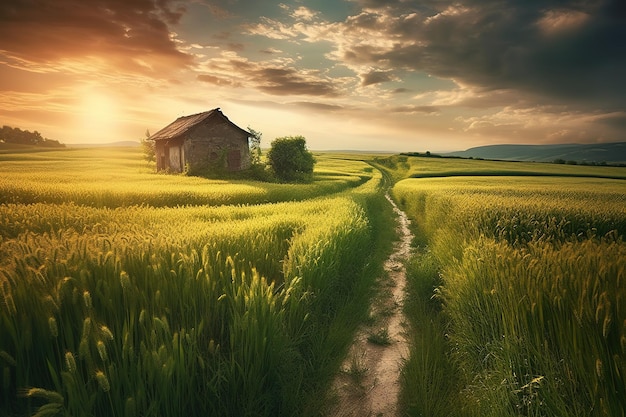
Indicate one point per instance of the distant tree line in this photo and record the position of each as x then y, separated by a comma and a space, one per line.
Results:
589, 163
24, 137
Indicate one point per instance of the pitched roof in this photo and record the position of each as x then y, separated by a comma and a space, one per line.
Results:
185, 123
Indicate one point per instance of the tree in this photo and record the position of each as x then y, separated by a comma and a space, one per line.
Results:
148, 147
290, 160
255, 146
24, 137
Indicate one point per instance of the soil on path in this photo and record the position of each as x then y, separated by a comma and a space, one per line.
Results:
369, 381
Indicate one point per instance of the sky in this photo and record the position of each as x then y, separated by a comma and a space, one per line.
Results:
379, 75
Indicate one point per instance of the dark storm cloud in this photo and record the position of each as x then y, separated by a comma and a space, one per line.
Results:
120, 31
564, 50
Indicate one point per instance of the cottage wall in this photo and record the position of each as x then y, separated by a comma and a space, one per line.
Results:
212, 144
176, 162
202, 141
159, 155
169, 155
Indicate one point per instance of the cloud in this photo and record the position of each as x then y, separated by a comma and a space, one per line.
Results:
292, 81
551, 70
568, 51
415, 109
275, 77
377, 4
271, 51
555, 21
562, 53
212, 79
544, 124
273, 29
615, 121
319, 106
375, 77
304, 13
128, 35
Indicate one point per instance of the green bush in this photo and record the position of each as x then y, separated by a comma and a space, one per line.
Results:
290, 160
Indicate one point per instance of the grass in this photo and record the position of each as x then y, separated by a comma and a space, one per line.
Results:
121, 301
380, 337
429, 383
357, 370
527, 316
420, 167
117, 177
124, 292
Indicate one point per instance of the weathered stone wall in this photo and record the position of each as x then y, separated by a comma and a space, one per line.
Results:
214, 144
211, 143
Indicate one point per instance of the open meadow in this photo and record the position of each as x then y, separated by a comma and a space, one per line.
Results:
126, 292
129, 293
522, 288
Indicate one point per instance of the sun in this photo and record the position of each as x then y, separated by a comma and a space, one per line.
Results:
99, 116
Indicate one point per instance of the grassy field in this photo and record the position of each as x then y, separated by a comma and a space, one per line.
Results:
119, 177
416, 167
126, 293
518, 295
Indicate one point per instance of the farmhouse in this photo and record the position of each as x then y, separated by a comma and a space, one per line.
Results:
201, 141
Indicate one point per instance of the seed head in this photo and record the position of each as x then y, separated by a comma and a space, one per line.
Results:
70, 362
87, 299
51, 396
124, 280
52, 324
83, 349
106, 332
102, 350
599, 368
86, 328
103, 381
130, 407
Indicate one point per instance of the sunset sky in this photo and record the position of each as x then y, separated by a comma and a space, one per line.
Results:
394, 75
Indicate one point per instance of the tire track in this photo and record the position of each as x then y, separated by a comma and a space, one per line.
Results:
369, 381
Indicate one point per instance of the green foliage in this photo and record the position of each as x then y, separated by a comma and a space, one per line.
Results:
147, 147
429, 380
290, 159
422, 167
380, 337
18, 136
117, 177
255, 146
110, 308
532, 273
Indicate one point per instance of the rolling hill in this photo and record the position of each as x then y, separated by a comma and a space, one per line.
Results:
611, 153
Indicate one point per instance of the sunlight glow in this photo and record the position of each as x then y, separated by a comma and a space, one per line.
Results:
99, 116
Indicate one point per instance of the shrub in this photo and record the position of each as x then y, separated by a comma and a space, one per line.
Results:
290, 160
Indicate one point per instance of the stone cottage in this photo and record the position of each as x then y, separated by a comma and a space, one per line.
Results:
201, 141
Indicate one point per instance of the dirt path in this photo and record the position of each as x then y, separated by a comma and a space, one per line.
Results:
368, 384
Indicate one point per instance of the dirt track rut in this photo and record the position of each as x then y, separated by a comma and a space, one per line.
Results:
369, 381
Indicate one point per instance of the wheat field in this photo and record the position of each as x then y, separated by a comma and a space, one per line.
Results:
531, 282
129, 293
